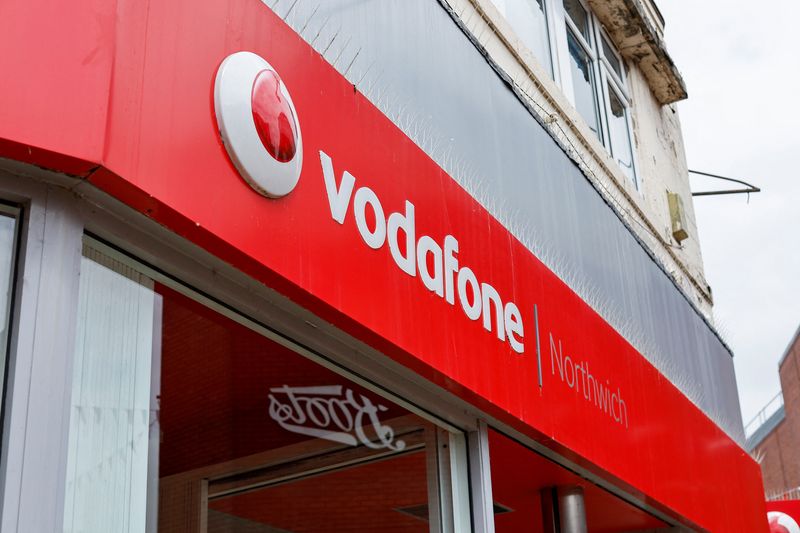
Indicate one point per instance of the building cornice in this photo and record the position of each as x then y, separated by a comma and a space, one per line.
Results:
636, 27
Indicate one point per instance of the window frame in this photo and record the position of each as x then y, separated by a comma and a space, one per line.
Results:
559, 24
16, 212
609, 84
53, 223
446, 452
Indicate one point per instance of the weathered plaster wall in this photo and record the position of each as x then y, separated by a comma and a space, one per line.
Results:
661, 157
658, 147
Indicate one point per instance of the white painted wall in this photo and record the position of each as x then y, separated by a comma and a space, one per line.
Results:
659, 148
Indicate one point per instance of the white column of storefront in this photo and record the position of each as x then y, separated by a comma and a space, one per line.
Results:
36, 421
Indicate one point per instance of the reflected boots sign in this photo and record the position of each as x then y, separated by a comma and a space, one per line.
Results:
332, 413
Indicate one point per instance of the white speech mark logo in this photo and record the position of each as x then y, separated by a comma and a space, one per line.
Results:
258, 124
782, 523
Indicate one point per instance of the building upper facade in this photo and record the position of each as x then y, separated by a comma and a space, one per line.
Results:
508, 128
598, 74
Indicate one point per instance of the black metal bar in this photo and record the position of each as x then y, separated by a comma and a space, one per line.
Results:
729, 191
750, 187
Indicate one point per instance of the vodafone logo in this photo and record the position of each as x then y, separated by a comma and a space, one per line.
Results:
782, 523
258, 124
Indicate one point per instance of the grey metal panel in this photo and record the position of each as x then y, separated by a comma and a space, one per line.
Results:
414, 62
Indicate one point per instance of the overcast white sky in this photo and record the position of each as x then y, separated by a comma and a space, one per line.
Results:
741, 64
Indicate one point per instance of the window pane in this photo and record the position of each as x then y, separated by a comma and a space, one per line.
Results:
184, 420
579, 16
619, 133
527, 17
583, 83
8, 236
611, 57
276, 441
111, 428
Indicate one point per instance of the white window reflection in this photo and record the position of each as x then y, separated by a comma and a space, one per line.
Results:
583, 84
529, 21
113, 433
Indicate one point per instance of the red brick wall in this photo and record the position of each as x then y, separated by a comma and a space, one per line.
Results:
780, 465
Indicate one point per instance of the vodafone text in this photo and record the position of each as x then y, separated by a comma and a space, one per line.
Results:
447, 280
439, 271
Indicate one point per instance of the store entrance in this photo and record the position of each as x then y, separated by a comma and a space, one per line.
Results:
259, 439
193, 419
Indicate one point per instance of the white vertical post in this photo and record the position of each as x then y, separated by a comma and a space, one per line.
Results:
481, 479
40, 377
434, 490
459, 480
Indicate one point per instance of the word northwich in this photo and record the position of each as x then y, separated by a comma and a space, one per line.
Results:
578, 377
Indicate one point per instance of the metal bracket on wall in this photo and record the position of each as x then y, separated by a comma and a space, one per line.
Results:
749, 187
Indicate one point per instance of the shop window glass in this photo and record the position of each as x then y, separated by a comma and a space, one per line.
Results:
186, 420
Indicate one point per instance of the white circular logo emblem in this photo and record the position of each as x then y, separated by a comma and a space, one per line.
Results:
258, 124
782, 523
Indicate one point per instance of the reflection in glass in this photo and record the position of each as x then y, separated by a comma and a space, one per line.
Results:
527, 17
184, 420
109, 456
8, 232
583, 83
619, 134
579, 16
284, 443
